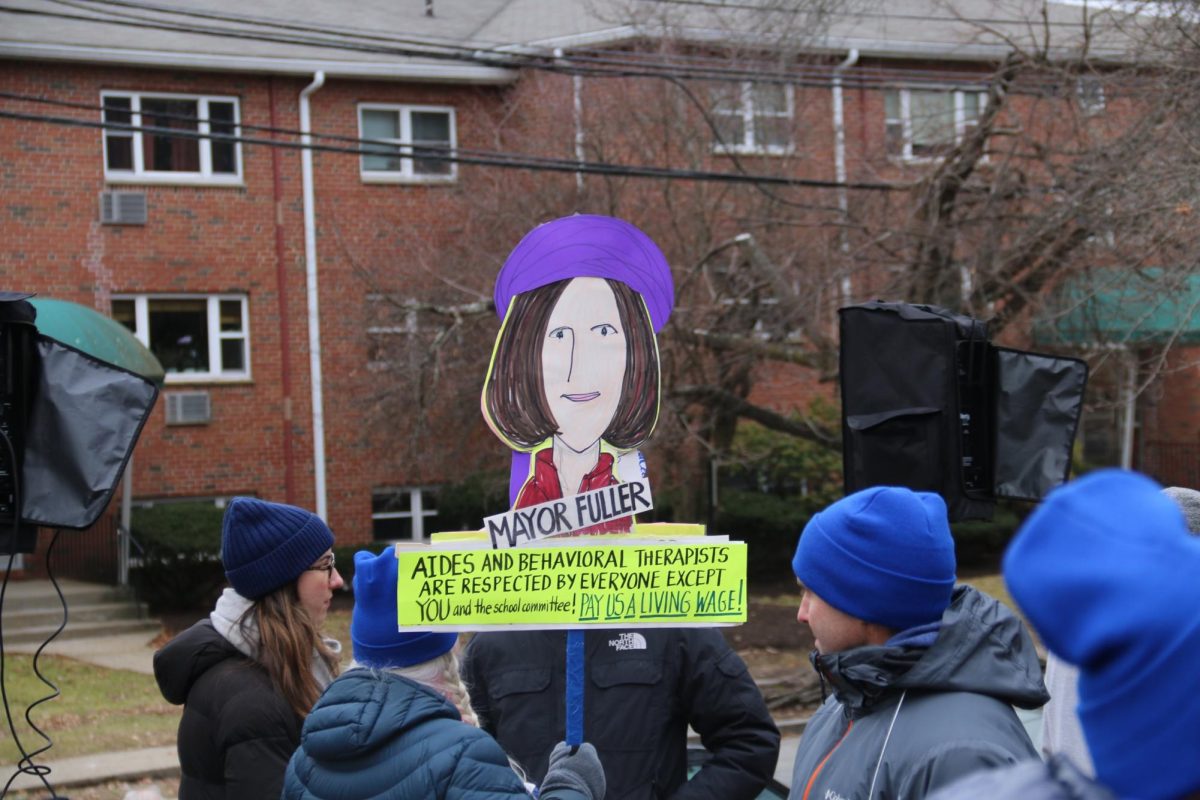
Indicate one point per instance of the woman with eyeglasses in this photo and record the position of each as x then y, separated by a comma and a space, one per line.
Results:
249, 674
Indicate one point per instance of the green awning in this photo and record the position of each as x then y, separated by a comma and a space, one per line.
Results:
97, 335
1148, 306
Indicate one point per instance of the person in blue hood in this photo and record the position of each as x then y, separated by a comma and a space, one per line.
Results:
1105, 570
398, 724
924, 674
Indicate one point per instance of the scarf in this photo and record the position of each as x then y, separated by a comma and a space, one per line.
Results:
231, 619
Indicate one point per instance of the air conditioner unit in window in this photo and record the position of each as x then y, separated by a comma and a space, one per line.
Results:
188, 408
123, 208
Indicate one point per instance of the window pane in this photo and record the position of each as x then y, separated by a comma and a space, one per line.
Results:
732, 129
386, 530
120, 151
770, 97
122, 312
231, 315
932, 120
727, 98
380, 125
431, 127
233, 355
970, 107
224, 154
381, 163
117, 109
772, 131
389, 501
165, 153
891, 104
894, 133
179, 334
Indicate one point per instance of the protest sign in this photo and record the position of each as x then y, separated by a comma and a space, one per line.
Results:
642, 584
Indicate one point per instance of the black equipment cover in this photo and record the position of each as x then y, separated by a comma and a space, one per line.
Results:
929, 403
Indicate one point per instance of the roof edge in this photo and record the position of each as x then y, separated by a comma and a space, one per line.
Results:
424, 73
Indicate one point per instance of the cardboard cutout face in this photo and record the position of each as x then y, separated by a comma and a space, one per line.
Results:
575, 366
583, 362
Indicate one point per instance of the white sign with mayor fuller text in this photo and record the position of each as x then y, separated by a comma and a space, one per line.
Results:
523, 526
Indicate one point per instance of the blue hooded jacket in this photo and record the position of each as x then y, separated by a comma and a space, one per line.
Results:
378, 735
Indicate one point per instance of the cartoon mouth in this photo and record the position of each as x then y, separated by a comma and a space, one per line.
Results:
582, 398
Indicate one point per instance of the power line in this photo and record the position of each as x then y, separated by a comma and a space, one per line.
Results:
477, 158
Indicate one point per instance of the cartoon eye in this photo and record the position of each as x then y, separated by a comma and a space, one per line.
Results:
560, 333
604, 329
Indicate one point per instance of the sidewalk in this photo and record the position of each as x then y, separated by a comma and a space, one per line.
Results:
151, 762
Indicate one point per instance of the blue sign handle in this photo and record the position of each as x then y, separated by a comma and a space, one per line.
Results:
575, 676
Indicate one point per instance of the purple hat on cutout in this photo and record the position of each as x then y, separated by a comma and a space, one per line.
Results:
589, 246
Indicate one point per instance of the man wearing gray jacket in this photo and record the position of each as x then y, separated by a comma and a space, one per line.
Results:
924, 675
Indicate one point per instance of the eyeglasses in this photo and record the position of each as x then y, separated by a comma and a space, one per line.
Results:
324, 564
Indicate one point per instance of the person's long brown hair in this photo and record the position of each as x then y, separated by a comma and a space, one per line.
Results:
288, 638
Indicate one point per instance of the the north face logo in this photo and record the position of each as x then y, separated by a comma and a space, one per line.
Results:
628, 641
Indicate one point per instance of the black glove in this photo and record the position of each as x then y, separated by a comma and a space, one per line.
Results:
579, 770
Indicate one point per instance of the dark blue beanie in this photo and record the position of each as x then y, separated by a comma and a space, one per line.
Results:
374, 626
882, 555
1107, 573
268, 545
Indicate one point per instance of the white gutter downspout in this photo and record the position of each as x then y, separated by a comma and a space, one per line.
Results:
577, 116
839, 165
1129, 420
310, 274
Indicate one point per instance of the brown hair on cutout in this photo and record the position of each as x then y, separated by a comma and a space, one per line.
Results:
516, 393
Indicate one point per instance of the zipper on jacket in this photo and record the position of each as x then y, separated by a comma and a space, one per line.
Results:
812, 779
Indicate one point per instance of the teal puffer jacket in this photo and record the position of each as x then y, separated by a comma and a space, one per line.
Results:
378, 735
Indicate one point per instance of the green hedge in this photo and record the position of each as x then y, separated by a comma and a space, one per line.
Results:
180, 559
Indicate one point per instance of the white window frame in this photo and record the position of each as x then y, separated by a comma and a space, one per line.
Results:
960, 120
416, 511
216, 372
139, 173
408, 329
746, 110
405, 174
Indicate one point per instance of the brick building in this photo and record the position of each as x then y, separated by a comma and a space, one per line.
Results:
274, 283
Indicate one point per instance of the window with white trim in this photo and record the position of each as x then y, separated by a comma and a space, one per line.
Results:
399, 515
194, 337
210, 155
927, 123
401, 139
754, 117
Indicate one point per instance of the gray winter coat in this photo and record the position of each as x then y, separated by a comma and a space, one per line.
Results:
904, 721
1057, 779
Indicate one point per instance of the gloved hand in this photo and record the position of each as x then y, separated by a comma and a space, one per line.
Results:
580, 771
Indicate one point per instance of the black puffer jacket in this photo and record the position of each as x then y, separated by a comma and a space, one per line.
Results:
237, 732
643, 689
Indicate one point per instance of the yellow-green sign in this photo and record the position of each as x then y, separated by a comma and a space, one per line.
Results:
626, 586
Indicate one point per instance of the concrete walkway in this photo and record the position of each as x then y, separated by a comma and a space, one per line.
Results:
131, 651
151, 762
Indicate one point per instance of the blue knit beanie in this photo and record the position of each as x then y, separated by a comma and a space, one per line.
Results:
374, 627
882, 555
1107, 573
268, 545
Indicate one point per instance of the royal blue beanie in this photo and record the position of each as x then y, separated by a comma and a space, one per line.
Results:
882, 555
267, 545
1107, 573
374, 626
